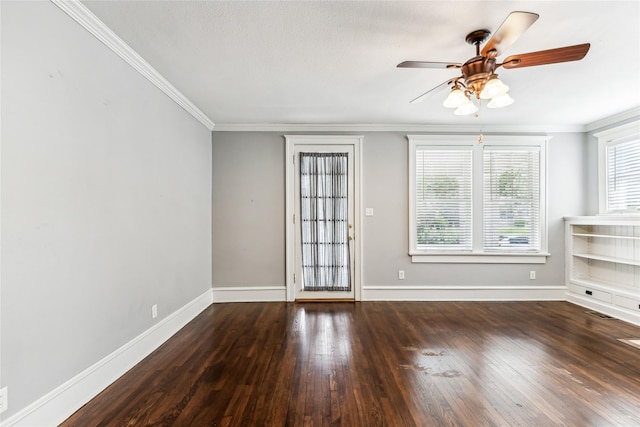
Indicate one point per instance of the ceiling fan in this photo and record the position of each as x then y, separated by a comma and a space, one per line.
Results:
479, 76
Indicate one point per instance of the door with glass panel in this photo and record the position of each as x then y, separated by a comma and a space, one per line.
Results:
324, 222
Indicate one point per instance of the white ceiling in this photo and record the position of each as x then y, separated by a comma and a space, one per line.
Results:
335, 62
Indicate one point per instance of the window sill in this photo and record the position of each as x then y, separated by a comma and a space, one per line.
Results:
480, 258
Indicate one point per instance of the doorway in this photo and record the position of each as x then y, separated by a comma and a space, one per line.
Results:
323, 218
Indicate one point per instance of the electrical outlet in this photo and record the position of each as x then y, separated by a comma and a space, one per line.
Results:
532, 275
154, 311
401, 274
4, 399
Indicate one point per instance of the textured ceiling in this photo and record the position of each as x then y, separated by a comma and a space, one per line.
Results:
335, 62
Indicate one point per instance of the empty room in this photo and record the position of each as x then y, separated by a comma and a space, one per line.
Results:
319, 213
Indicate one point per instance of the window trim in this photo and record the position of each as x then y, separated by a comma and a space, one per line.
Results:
477, 254
605, 138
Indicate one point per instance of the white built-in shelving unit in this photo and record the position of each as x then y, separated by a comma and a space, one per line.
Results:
603, 264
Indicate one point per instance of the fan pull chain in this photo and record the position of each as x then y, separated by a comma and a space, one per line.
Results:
477, 115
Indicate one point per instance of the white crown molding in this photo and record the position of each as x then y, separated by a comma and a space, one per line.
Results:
472, 129
83, 16
78, 12
616, 118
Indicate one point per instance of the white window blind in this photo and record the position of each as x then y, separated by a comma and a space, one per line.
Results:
477, 203
443, 198
623, 176
511, 198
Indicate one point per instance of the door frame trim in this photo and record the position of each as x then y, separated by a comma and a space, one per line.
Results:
291, 142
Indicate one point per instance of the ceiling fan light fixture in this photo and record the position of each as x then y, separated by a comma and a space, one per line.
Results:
493, 87
478, 78
456, 98
500, 101
466, 109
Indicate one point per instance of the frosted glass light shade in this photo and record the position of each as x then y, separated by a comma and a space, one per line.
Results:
500, 101
494, 87
465, 109
456, 98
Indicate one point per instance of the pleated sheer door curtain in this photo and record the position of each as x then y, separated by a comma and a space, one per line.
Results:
324, 221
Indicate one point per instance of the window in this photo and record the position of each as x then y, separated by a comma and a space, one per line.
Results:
443, 198
511, 198
473, 202
619, 171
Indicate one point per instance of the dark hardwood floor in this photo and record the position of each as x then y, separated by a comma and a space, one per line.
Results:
383, 364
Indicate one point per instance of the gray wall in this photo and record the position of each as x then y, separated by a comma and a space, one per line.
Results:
106, 202
248, 217
248, 209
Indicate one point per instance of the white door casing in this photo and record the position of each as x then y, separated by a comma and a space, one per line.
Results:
321, 143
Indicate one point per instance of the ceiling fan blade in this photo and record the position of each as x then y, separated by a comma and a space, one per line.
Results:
509, 31
551, 56
425, 64
435, 89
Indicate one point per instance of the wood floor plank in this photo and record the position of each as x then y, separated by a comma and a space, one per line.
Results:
382, 364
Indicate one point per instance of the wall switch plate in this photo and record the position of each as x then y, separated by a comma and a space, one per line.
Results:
368, 212
4, 399
532, 275
401, 274
154, 311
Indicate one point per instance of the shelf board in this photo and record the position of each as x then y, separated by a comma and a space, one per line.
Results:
609, 236
583, 221
608, 259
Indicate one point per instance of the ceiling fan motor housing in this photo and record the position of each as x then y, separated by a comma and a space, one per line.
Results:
476, 72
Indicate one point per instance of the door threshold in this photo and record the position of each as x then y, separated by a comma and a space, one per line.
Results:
304, 300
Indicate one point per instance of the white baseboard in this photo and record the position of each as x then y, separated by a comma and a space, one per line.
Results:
464, 293
59, 404
407, 293
611, 310
250, 294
